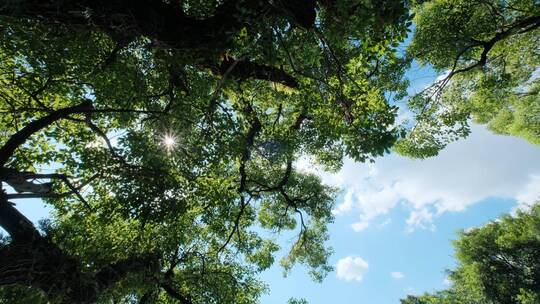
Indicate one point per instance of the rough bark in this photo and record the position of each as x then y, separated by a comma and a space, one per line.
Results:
243, 69
168, 26
31, 259
128, 19
165, 22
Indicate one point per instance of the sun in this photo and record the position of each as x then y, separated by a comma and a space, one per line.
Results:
169, 141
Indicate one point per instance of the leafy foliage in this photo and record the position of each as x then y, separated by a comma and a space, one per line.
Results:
487, 53
173, 128
497, 263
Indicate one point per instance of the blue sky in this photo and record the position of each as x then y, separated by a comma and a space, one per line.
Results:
409, 211
420, 257
396, 219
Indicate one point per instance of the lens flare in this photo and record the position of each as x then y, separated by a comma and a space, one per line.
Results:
169, 141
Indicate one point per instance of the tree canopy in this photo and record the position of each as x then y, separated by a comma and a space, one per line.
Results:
164, 134
487, 52
497, 263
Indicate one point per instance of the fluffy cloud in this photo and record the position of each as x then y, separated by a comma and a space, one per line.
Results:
530, 192
346, 206
397, 275
351, 268
482, 166
421, 218
359, 226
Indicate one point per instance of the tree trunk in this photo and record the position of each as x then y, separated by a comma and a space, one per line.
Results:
31, 259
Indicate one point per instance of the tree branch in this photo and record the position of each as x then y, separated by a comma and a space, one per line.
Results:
23, 176
175, 294
18, 139
254, 129
72, 190
244, 69
520, 27
15, 223
164, 21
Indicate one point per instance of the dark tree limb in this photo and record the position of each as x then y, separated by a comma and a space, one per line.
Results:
242, 69
20, 228
162, 21
171, 291
116, 271
301, 12
73, 190
38, 194
169, 26
19, 138
31, 259
519, 27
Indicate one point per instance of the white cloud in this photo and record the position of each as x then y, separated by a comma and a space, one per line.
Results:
346, 206
397, 275
359, 226
421, 218
469, 171
351, 268
530, 193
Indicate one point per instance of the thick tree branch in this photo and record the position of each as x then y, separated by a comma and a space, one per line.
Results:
168, 25
243, 69
301, 12
114, 272
162, 21
39, 263
175, 294
17, 225
37, 194
73, 190
254, 129
519, 27
19, 138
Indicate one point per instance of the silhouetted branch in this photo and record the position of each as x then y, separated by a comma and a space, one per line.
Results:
19, 138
